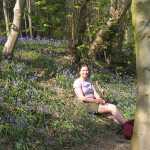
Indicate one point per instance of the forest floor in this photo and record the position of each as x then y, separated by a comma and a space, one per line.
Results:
42, 78
108, 141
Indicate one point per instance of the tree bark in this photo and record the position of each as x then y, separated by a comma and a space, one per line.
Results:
77, 28
81, 23
6, 16
25, 24
141, 22
117, 13
28, 2
15, 28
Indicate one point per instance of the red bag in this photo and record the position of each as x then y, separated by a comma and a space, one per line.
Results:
128, 129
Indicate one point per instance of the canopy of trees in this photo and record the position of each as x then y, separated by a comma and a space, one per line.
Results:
97, 30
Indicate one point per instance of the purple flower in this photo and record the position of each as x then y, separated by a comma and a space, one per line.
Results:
2, 40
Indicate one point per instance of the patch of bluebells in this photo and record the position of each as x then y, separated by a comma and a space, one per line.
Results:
2, 40
39, 40
67, 72
19, 68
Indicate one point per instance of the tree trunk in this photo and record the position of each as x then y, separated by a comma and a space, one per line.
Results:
6, 16
29, 17
117, 11
25, 24
77, 27
141, 22
15, 28
81, 25
70, 28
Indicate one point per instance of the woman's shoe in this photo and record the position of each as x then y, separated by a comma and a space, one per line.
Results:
127, 129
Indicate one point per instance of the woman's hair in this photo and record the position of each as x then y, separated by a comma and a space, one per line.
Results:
84, 65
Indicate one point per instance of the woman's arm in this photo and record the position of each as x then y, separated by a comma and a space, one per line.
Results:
81, 96
97, 95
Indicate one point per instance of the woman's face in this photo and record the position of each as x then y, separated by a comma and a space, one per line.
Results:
84, 72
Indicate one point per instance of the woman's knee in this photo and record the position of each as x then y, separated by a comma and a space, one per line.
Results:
107, 108
113, 108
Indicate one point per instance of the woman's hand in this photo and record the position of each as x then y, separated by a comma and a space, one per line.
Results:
100, 101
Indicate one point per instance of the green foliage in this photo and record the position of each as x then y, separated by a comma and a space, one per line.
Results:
40, 111
63, 81
1, 51
50, 18
99, 23
35, 115
102, 77
82, 51
118, 90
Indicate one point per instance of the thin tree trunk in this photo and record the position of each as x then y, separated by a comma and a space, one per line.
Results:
72, 27
141, 22
6, 16
128, 37
29, 17
15, 28
77, 28
81, 22
25, 24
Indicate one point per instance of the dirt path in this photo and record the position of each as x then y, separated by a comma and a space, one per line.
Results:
106, 142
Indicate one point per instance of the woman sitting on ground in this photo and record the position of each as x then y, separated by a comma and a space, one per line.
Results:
86, 92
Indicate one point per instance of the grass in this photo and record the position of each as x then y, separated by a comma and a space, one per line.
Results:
37, 105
